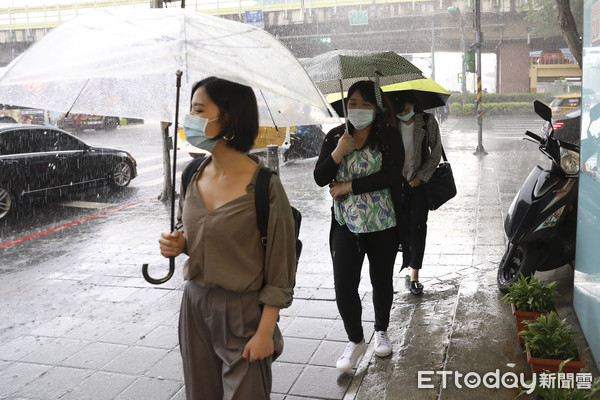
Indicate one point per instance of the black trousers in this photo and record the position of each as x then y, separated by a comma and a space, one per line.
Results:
413, 227
348, 252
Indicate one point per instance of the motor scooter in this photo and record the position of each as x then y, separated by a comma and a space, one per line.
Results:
541, 222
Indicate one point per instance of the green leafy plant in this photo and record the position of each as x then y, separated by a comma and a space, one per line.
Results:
530, 294
555, 392
550, 337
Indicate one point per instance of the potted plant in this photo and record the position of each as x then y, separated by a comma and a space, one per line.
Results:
529, 298
552, 388
548, 342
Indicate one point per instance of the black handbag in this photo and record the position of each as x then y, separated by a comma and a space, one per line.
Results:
441, 186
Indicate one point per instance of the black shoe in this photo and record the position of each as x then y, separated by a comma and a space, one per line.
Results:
416, 287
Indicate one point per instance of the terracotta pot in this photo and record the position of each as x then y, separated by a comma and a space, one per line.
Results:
539, 365
521, 316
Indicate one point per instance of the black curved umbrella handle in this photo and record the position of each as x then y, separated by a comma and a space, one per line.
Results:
160, 281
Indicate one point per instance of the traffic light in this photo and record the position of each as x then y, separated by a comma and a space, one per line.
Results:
460, 77
325, 40
470, 60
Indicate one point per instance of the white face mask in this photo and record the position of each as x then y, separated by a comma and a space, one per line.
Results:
407, 117
360, 118
195, 132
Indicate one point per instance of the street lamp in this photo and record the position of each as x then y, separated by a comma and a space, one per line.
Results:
455, 12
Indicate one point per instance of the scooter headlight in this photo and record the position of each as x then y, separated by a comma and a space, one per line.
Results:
551, 220
569, 161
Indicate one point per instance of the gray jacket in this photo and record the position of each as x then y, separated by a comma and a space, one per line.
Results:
424, 170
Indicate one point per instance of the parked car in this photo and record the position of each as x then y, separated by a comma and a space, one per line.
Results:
41, 161
565, 102
305, 142
567, 126
79, 122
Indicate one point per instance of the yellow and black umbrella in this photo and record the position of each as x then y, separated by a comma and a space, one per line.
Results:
428, 93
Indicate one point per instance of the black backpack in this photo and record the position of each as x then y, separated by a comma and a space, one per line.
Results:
261, 201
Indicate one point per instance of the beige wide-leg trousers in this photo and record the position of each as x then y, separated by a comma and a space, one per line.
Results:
214, 327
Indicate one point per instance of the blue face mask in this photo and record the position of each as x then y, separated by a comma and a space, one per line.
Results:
360, 118
407, 117
195, 132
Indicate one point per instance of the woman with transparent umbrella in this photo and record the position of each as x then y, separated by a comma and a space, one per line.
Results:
235, 286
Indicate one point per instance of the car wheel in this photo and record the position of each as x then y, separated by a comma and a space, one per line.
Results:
110, 123
5, 203
121, 175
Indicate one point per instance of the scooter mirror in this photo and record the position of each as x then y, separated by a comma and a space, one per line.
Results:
542, 110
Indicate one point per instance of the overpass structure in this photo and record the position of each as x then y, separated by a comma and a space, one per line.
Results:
311, 27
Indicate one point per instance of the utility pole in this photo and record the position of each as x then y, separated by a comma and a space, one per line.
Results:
455, 11
433, 48
167, 143
478, 41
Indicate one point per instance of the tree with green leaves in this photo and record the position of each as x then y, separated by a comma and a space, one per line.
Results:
543, 15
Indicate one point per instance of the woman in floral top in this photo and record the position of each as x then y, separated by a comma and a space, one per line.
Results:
363, 168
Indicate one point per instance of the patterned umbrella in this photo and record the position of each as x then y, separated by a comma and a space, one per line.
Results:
337, 70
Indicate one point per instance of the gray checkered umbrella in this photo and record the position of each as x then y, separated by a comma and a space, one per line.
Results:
337, 70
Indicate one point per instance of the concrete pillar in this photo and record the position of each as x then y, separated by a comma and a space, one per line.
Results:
513, 67
273, 157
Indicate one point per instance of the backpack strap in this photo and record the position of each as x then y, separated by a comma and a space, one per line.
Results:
188, 172
261, 202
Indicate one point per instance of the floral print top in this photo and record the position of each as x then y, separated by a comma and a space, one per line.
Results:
365, 212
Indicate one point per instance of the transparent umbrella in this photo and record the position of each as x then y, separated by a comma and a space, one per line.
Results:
134, 63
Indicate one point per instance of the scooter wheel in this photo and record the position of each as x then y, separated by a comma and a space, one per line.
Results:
518, 259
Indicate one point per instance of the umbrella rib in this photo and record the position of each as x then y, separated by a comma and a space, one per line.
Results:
77, 98
268, 109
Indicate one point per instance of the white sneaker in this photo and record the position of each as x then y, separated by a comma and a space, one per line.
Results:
351, 355
383, 347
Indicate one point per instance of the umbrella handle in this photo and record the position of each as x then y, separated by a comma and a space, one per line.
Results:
154, 281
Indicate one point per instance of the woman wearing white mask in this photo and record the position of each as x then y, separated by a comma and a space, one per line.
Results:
235, 286
361, 167
423, 150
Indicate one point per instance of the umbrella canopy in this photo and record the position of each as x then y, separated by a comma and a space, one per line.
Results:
123, 63
350, 66
428, 93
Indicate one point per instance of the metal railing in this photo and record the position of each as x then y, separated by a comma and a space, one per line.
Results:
49, 16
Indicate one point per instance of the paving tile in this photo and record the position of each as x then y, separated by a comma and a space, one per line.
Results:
19, 347
54, 351
328, 353
163, 337
95, 355
308, 328
127, 333
284, 376
147, 388
95, 387
297, 350
169, 367
54, 384
135, 360
322, 383
14, 376
320, 309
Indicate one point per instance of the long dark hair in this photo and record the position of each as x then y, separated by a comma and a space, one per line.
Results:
383, 118
238, 110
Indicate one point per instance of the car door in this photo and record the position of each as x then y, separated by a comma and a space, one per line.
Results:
30, 169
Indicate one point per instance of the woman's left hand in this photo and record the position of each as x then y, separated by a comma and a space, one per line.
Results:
259, 347
338, 190
415, 182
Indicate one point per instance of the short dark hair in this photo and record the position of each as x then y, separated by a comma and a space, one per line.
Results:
405, 97
238, 110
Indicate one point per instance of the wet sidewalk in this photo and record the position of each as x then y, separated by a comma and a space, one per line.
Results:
77, 320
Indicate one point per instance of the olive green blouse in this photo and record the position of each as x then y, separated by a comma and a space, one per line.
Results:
224, 245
